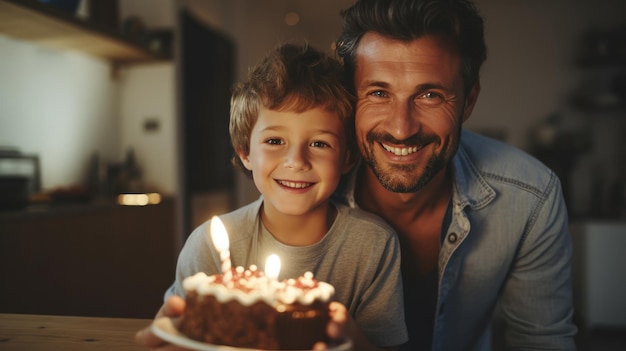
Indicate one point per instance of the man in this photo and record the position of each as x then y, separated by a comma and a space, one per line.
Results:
480, 223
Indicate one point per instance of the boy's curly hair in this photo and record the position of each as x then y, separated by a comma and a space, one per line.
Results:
290, 78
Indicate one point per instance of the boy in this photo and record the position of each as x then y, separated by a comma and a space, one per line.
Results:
291, 128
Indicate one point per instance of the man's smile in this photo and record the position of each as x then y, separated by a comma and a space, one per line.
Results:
401, 151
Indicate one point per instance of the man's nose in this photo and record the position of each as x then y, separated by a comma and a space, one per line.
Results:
403, 121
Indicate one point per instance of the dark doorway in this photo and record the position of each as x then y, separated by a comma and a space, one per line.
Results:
207, 71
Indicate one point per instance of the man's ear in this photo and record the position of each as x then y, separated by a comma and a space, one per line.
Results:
470, 100
350, 161
245, 160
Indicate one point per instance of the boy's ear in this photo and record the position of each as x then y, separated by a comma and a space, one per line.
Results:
245, 160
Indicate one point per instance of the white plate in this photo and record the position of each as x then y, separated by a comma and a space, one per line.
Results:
165, 329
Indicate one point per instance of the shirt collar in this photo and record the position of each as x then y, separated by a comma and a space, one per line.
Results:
470, 187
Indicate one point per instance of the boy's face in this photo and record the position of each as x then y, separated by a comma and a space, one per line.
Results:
296, 159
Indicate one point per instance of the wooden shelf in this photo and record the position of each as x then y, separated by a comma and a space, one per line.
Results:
44, 25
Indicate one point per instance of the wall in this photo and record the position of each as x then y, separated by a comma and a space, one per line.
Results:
147, 96
530, 68
67, 106
597, 254
46, 108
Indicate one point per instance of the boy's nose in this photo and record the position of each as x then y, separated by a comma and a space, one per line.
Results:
297, 159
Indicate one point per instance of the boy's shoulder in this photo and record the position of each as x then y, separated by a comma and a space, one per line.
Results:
240, 223
356, 219
248, 211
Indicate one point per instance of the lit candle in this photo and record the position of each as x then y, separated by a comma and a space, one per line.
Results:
220, 240
272, 267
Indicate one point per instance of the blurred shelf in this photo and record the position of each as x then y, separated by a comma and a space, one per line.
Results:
86, 257
46, 26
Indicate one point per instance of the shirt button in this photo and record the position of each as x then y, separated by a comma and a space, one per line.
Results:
452, 238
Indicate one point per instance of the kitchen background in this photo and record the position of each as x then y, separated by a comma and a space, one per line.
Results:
554, 84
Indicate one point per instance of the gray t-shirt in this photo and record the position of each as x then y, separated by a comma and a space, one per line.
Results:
359, 256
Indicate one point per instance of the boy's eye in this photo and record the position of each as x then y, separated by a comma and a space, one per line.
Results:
319, 144
274, 141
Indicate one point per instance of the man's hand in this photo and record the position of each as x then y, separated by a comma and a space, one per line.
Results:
336, 328
342, 326
172, 308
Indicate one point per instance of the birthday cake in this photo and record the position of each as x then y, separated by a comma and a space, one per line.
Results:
250, 310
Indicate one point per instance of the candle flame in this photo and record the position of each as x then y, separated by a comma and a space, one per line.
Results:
272, 267
219, 235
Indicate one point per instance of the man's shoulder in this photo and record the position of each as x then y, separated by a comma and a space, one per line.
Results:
491, 152
499, 161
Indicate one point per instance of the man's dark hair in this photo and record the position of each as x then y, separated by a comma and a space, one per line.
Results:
456, 20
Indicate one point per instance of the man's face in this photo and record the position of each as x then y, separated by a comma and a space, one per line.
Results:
410, 108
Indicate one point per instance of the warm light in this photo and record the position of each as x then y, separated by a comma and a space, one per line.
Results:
219, 235
139, 199
220, 240
292, 18
154, 198
272, 267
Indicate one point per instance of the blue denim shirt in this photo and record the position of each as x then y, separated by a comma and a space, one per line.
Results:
508, 242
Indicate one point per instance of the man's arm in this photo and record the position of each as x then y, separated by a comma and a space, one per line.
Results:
537, 297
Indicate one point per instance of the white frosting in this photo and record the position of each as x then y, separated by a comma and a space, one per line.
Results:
249, 288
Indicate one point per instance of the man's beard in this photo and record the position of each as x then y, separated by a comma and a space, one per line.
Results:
401, 178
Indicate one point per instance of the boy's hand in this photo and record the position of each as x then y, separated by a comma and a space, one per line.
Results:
172, 308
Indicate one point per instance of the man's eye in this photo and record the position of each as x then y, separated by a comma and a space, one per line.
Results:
431, 98
378, 93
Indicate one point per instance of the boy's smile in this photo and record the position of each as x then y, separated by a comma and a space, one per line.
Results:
296, 159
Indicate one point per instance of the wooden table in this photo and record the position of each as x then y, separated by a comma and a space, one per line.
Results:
30, 332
